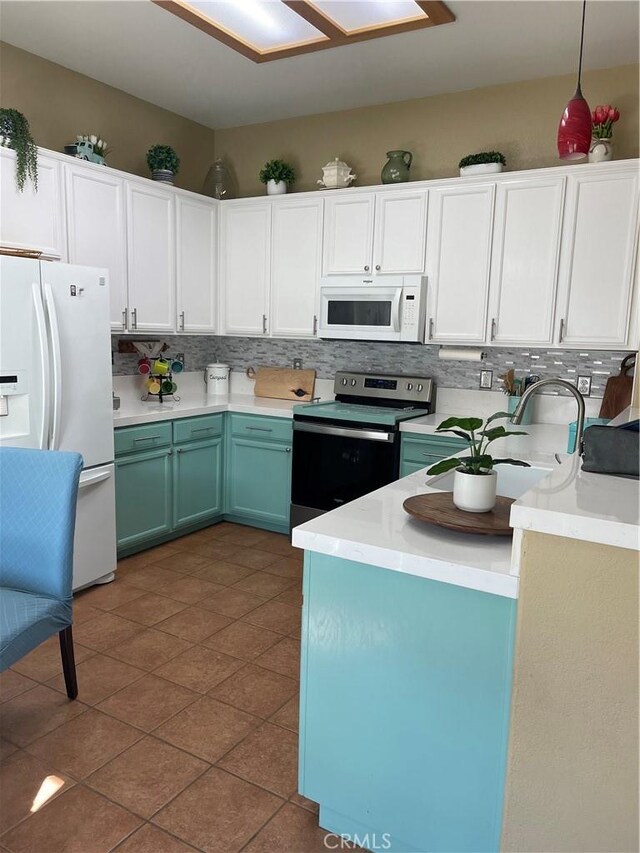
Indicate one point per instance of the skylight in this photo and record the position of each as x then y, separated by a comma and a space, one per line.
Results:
263, 30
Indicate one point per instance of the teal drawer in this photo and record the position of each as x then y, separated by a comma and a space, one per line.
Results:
430, 450
195, 429
144, 437
260, 427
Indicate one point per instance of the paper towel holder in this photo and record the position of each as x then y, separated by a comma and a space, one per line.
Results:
460, 354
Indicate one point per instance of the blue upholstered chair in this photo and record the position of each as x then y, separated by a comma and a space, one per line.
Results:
38, 492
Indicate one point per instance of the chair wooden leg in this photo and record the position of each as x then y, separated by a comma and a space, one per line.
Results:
68, 662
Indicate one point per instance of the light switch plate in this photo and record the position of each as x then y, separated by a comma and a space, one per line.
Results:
486, 379
584, 385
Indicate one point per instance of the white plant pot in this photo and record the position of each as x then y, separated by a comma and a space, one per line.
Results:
482, 169
276, 187
475, 492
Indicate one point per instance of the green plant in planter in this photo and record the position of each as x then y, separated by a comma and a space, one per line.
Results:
479, 435
277, 170
482, 157
15, 133
163, 157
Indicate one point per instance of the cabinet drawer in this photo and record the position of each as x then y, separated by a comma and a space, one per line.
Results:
146, 437
430, 450
195, 429
259, 427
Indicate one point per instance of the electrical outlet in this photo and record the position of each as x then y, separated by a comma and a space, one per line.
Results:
486, 379
297, 364
584, 385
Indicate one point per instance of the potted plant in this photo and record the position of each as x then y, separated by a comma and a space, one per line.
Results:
486, 162
163, 163
15, 134
277, 174
602, 120
474, 483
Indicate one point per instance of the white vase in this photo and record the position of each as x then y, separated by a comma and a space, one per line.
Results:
482, 169
601, 150
475, 492
276, 187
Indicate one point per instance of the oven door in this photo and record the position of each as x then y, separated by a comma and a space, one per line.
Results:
360, 312
333, 464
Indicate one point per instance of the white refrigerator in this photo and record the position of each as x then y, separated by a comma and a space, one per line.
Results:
56, 389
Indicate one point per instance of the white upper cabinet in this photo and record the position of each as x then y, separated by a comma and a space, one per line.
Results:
524, 264
296, 242
348, 234
458, 259
195, 265
96, 230
400, 232
598, 255
151, 258
245, 262
30, 219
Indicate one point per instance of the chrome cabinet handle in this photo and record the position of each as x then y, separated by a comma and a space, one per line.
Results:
493, 328
134, 318
259, 429
366, 269
431, 328
561, 335
182, 320
287, 450
378, 266
146, 438
315, 324
201, 429
264, 324
179, 450
124, 318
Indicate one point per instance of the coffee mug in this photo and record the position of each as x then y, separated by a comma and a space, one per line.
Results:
144, 366
168, 387
161, 366
153, 386
177, 366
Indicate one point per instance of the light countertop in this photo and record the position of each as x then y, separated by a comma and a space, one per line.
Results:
136, 411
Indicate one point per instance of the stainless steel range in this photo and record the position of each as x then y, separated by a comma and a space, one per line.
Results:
348, 448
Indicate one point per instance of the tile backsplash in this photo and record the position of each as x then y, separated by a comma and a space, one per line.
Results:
329, 356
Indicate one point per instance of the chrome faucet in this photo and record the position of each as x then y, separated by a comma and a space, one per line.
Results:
517, 416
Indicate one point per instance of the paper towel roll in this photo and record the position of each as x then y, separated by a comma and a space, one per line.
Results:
453, 354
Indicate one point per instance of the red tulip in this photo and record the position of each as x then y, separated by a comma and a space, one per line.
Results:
601, 114
614, 115
594, 120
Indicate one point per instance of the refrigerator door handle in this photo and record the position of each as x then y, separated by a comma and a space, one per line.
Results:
93, 479
56, 359
44, 377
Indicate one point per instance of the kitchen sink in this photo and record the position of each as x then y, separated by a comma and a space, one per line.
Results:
513, 480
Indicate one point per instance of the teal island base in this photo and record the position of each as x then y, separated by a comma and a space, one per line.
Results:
404, 707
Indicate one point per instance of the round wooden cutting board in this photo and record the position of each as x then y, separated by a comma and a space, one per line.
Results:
440, 509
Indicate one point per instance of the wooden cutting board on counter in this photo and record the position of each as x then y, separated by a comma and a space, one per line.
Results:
283, 383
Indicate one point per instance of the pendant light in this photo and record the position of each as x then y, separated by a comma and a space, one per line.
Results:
574, 132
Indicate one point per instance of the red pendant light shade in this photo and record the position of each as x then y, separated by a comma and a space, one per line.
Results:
574, 132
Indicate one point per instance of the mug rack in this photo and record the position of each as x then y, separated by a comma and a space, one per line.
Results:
163, 380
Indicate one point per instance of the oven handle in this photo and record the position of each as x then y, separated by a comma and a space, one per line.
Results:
345, 432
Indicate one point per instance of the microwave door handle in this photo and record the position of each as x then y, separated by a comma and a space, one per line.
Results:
395, 310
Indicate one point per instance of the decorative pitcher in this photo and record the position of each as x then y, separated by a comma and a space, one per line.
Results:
396, 169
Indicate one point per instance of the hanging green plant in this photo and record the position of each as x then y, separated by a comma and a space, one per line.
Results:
15, 134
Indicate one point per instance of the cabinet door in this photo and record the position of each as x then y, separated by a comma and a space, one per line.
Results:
151, 258
348, 234
143, 496
401, 232
458, 257
524, 265
245, 248
599, 244
295, 267
260, 480
30, 219
197, 482
195, 256
96, 231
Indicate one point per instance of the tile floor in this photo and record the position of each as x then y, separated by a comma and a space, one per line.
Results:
184, 734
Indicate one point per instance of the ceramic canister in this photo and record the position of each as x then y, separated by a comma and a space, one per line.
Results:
216, 377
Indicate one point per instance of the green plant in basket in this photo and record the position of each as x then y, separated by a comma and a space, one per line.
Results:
479, 435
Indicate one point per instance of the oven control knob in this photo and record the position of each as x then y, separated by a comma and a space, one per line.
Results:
420, 388
409, 386
354, 381
344, 381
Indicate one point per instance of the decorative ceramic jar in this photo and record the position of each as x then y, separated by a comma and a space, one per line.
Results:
165, 176
396, 169
276, 187
336, 174
601, 150
474, 492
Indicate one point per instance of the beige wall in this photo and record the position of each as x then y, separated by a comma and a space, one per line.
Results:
520, 120
572, 780
60, 104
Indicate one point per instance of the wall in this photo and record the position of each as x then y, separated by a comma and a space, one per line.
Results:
520, 119
572, 776
60, 103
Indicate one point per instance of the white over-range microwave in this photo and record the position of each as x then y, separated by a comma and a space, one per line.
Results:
378, 308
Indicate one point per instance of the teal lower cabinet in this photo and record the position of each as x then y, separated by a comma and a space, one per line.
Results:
421, 451
197, 482
259, 471
404, 707
143, 497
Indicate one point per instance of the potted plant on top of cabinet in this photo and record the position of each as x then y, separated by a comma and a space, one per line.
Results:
486, 162
475, 480
16, 134
277, 174
163, 162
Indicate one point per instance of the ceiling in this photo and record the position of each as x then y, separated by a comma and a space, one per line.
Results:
138, 47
